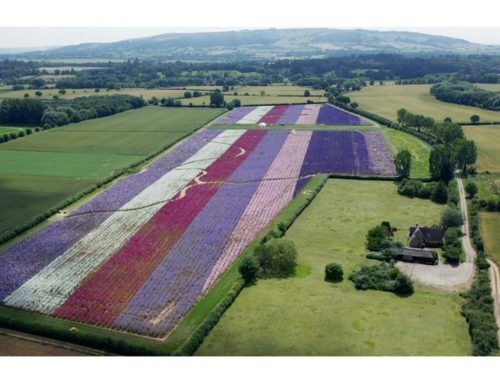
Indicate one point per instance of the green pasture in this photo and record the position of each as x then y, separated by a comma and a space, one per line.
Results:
385, 101
42, 170
487, 139
304, 315
490, 229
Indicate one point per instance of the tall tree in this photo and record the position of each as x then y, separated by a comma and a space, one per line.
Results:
442, 163
465, 153
403, 163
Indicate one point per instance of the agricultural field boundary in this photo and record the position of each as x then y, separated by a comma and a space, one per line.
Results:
186, 337
7, 236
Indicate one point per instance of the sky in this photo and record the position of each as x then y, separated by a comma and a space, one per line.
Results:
30, 23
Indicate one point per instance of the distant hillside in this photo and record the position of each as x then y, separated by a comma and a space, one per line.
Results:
269, 43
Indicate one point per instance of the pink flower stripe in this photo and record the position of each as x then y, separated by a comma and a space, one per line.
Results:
273, 194
309, 114
274, 114
104, 294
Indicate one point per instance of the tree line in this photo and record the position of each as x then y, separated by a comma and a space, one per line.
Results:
466, 94
50, 113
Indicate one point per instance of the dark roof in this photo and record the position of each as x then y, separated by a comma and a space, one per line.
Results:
408, 251
430, 234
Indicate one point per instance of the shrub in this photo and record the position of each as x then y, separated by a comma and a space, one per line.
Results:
403, 285
451, 217
471, 189
249, 269
334, 272
382, 276
440, 193
375, 238
277, 257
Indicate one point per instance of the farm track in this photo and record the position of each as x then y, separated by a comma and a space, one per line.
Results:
495, 290
85, 351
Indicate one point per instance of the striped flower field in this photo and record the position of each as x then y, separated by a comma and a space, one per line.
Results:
138, 256
305, 114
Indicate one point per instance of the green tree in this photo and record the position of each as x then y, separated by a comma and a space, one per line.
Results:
334, 272
307, 93
465, 153
277, 257
188, 94
475, 118
471, 189
375, 238
451, 217
441, 163
217, 98
38, 93
439, 193
249, 269
403, 163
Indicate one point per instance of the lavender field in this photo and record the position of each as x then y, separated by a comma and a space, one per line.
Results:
306, 114
140, 255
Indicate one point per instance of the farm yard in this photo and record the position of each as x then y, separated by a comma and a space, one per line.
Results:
179, 225
40, 171
385, 101
304, 315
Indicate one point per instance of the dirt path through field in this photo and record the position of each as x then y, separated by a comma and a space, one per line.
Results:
495, 290
14, 343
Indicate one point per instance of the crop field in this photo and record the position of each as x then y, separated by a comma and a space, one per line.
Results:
40, 171
278, 90
487, 139
304, 315
385, 101
492, 87
74, 93
255, 100
490, 227
178, 225
305, 114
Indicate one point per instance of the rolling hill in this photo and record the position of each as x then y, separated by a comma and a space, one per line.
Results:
268, 44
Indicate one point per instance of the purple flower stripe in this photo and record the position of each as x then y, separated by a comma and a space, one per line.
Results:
291, 115
177, 284
235, 115
381, 161
24, 259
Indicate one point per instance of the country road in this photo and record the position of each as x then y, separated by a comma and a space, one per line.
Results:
495, 290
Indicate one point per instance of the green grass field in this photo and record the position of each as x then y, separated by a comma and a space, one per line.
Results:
9, 129
490, 227
387, 99
398, 140
487, 139
492, 87
40, 171
488, 185
305, 315
73, 93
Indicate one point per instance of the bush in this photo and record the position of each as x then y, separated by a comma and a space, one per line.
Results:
375, 238
471, 189
403, 285
451, 217
439, 193
277, 257
334, 272
249, 269
382, 276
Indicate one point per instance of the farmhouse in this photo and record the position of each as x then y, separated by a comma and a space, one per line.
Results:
408, 254
421, 236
